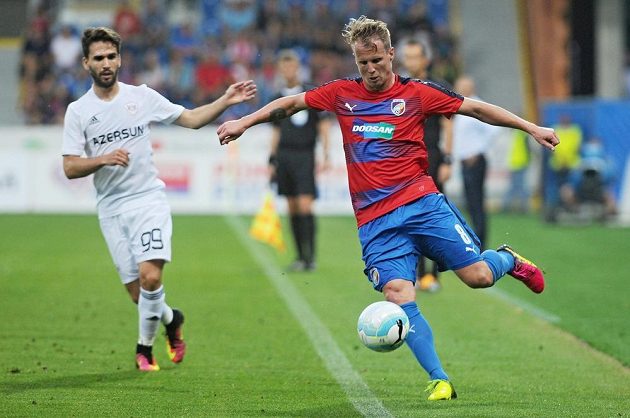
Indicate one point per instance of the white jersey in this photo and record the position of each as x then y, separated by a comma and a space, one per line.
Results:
98, 127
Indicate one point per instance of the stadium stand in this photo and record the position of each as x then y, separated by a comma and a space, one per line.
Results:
189, 50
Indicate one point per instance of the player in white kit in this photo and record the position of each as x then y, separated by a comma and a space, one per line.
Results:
110, 124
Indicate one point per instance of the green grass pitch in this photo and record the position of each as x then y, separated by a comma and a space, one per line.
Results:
68, 329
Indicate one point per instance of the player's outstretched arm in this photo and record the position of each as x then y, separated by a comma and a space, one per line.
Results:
75, 166
203, 115
275, 110
496, 115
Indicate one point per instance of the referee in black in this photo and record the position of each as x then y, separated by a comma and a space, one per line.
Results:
292, 161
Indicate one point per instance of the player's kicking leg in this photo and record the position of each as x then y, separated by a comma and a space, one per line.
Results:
525, 271
495, 264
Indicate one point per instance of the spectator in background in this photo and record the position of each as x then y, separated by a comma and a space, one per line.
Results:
130, 70
242, 48
445, 61
237, 15
324, 34
128, 24
591, 180
415, 20
241, 53
265, 77
43, 111
180, 78
211, 77
35, 66
41, 22
184, 38
209, 22
36, 56
471, 141
517, 196
76, 82
66, 49
154, 24
296, 34
561, 162
384, 10
152, 74
270, 22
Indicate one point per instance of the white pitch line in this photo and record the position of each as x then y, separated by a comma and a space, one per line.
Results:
528, 307
338, 365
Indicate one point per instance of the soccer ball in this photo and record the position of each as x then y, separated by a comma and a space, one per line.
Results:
383, 326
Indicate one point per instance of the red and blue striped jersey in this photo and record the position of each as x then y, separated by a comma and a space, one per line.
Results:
383, 139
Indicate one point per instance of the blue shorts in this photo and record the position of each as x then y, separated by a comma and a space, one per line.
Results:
430, 226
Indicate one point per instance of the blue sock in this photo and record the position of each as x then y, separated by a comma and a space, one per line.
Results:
420, 341
500, 262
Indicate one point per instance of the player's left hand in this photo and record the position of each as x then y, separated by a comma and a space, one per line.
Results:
546, 137
240, 92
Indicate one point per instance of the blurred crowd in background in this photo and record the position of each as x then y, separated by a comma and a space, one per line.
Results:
191, 62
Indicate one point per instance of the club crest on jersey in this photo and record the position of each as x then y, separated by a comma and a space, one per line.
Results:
398, 106
131, 108
375, 276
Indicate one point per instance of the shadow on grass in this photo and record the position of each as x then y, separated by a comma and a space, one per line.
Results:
75, 381
332, 410
454, 408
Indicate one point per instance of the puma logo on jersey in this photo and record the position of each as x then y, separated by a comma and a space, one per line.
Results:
351, 108
470, 249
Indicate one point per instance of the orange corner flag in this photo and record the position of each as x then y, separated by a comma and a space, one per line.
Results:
266, 226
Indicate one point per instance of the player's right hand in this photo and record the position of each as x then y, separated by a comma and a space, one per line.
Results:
230, 131
119, 157
240, 92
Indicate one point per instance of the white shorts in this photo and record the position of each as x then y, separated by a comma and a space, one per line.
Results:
138, 235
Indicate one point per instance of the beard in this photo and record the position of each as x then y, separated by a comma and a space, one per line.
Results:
102, 83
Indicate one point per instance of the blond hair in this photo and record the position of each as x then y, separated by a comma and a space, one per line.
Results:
364, 30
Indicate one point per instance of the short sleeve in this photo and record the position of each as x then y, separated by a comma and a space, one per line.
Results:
73, 138
437, 99
162, 110
322, 97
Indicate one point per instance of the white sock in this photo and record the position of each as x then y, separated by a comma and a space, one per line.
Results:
150, 308
167, 314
